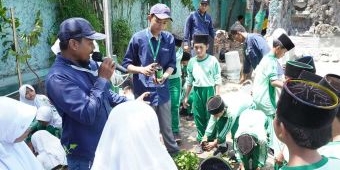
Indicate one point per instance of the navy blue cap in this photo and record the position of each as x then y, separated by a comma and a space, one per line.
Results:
205, 2
78, 28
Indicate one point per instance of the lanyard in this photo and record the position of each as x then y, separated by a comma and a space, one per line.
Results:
154, 53
202, 17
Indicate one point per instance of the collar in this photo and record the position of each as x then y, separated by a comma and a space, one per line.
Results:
200, 60
272, 54
68, 61
199, 13
246, 39
76, 66
150, 35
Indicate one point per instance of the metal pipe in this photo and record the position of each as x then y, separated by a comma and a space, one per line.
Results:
107, 26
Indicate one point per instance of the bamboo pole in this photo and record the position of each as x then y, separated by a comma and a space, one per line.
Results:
16, 47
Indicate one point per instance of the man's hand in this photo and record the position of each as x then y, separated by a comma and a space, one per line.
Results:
161, 80
185, 102
241, 167
106, 69
158, 81
142, 96
149, 70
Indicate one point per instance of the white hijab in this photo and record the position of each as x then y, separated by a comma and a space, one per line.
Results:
130, 140
51, 153
47, 114
15, 118
22, 92
39, 101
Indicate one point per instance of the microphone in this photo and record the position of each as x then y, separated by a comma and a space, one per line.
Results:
98, 57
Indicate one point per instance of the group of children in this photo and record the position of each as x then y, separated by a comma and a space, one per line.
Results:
301, 118
32, 121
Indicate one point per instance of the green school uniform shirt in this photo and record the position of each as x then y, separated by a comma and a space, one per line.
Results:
324, 164
204, 73
332, 149
264, 93
255, 123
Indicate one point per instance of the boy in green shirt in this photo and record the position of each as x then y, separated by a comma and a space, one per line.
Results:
304, 116
268, 77
204, 78
332, 81
224, 118
251, 139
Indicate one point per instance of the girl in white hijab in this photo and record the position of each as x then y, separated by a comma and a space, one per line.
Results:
15, 118
50, 152
130, 140
46, 116
29, 96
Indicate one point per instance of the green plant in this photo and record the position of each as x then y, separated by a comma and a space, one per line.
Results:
81, 8
25, 42
188, 4
186, 160
5, 23
121, 34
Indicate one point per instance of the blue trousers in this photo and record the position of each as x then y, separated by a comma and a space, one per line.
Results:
78, 163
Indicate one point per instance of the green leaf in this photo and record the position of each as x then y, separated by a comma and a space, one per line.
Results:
73, 146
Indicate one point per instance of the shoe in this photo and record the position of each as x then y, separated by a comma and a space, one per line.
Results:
178, 139
198, 149
189, 118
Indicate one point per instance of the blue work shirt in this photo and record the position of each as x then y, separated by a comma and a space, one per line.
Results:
139, 54
197, 23
255, 48
84, 102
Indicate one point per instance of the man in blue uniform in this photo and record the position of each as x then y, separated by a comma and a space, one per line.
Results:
80, 91
199, 22
151, 57
255, 48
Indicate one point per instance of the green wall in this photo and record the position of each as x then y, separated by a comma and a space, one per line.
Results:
25, 11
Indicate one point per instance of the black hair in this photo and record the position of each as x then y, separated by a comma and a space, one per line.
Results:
277, 43
309, 138
240, 17
186, 56
63, 44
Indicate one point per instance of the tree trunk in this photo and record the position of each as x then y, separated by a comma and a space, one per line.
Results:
16, 48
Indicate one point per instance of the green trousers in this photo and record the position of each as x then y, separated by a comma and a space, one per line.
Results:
201, 115
175, 95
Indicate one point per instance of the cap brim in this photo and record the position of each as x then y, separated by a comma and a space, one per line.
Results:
96, 36
163, 16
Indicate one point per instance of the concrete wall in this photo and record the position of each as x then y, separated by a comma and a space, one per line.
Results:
25, 11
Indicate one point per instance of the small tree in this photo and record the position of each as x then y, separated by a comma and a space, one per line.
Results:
121, 34
23, 44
